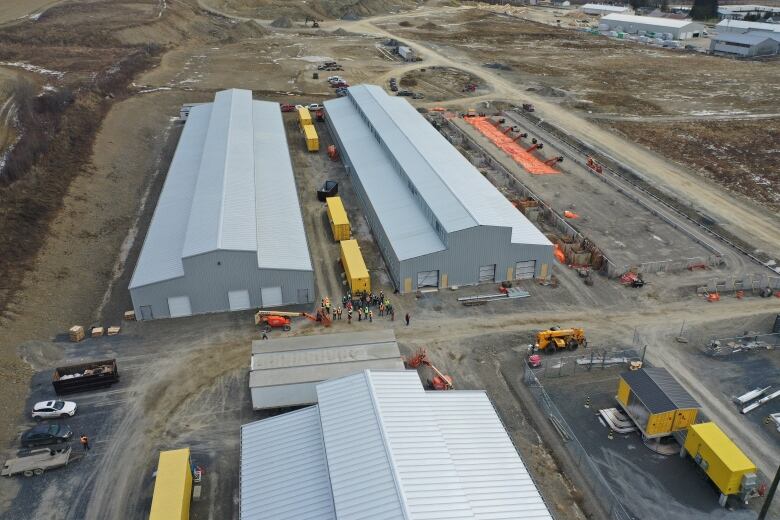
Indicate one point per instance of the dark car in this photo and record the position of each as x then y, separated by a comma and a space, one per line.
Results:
286, 107
394, 87
405, 93
46, 434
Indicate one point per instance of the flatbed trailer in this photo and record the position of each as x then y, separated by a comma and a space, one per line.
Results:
37, 462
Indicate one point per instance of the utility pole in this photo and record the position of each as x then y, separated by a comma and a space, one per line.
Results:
769, 496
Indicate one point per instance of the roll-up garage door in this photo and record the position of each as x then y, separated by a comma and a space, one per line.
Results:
179, 306
272, 296
427, 279
525, 270
238, 300
487, 273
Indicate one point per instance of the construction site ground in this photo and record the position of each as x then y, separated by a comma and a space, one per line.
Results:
184, 381
625, 231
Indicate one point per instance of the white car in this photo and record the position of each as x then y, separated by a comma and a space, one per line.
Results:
314, 106
53, 409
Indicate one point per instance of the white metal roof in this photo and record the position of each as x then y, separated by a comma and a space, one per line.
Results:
284, 474
648, 20
422, 163
230, 187
751, 38
605, 7
396, 451
748, 26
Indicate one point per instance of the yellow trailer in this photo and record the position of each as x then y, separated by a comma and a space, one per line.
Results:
722, 461
312, 141
656, 402
354, 267
337, 216
172, 486
304, 117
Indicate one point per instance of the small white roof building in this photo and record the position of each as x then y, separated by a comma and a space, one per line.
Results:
378, 445
741, 26
601, 9
738, 12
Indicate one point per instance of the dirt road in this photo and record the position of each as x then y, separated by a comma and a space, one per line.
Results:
13, 10
736, 214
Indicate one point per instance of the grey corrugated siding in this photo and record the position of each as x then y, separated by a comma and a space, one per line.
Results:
464, 250
213, 275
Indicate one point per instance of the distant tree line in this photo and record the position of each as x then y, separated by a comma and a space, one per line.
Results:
704, 9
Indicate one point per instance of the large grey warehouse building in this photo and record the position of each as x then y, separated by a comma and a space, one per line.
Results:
438, 222
227, 232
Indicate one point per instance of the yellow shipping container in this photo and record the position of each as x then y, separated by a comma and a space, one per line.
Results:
304, 117
172, 486
312, 141
354, 267
722, 460
337, 216
656, 402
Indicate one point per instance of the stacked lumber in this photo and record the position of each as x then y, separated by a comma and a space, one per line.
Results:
76, 333
113, 331
129, 316
97, 332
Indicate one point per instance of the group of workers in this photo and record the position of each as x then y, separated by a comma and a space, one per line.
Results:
362, 304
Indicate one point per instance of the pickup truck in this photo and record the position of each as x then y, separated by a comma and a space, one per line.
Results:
85, 376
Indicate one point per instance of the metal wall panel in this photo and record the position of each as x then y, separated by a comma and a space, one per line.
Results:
211, 276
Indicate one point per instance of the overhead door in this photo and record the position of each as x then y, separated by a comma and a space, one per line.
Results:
427, 279
272, 296
525, 270
238, 300
179, 306
487, 273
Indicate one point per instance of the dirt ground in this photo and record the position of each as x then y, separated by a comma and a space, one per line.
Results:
441, 83
184, 380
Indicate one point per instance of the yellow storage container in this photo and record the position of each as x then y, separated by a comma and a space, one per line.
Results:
354, 267
312, 141
656, 402
337, 216
304, 117
722, 460
172, 486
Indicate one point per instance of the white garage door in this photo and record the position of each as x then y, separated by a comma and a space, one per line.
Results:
427, 279
179, 306
272, 296
487, 273
525, 270
239, 300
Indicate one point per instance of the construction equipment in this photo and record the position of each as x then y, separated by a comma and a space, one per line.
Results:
333, 153
593, 165
440, 381
535, 361
320, 115
554, 160
534, 146
281, 319
471, 112
559, 339
522, 135
314, 23
470, 87
528, 107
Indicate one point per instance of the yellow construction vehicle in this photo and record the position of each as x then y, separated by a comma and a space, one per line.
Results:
559, 339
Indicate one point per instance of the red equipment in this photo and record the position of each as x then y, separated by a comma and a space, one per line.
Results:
286, 107
534, 361
519, 136
550, 162
320, 115
333, 154
440, 381
281, 320
535, 146
593, 165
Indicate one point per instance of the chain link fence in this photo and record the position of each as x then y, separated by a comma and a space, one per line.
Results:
590, 471
585, 360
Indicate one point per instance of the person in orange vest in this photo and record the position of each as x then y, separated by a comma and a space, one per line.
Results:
84, 442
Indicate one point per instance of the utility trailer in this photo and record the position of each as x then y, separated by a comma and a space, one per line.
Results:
85, 376
37, 462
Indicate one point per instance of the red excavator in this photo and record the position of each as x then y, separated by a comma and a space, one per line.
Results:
440, 381
268, 320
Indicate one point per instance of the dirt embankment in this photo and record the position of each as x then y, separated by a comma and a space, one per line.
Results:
58, 245
319, 9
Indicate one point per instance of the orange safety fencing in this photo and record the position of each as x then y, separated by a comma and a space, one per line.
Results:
515, 151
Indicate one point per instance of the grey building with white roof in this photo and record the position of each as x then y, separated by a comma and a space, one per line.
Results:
436, 219
378, 445
227, 231
746, 45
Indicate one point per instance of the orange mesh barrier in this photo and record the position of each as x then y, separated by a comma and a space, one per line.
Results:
515, 151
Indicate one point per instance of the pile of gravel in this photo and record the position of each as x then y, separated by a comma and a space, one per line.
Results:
282, 22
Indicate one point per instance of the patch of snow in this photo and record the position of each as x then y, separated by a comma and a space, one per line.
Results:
32, 68
189, 81
314, 59
34, 17
146, 91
